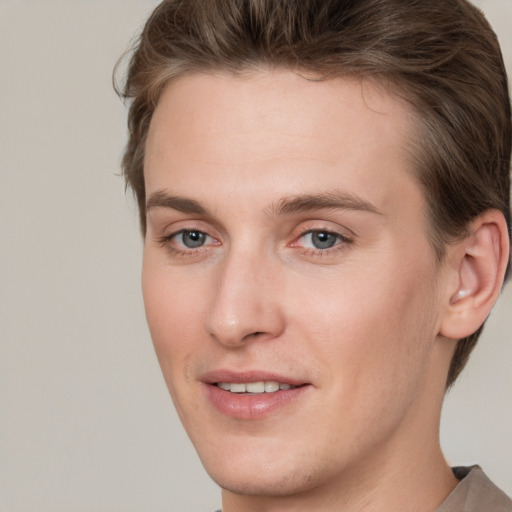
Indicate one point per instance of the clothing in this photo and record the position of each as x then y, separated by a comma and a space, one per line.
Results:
475, 493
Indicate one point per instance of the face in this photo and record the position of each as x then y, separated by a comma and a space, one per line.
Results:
289, 284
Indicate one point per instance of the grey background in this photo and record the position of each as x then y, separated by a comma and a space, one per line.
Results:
85, 420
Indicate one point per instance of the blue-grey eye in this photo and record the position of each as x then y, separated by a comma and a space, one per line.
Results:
323, 239
193, 239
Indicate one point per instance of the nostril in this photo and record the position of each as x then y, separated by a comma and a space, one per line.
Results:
254, 334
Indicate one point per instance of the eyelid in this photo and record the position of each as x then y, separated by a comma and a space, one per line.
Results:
165, 239
345, 238
171, 224
342, 238
320, 226
166, 235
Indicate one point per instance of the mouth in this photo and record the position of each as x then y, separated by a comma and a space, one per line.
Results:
253, 395
255, 388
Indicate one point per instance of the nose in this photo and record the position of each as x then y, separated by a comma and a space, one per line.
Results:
245, 303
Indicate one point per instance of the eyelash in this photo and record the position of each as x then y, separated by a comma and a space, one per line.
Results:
165, 241
340, 243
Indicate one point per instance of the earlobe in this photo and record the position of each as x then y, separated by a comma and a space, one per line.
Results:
477, 267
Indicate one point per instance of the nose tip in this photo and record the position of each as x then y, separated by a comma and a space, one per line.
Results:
245, 305
233, 332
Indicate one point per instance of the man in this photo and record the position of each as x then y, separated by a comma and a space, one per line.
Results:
324, 198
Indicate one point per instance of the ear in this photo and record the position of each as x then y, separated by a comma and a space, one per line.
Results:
476, 269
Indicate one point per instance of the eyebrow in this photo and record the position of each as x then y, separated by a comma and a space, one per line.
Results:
161, 199
336, 200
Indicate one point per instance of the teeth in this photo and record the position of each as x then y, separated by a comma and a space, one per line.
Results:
238, 388
255, 387
269, 386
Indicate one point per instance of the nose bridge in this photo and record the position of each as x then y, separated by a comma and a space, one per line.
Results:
245, 302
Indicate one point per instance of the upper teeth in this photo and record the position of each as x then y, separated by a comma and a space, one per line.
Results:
269, 386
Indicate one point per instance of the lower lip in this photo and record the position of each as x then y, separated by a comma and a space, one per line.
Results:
251, 407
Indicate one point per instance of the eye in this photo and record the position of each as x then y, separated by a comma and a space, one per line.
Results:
320, 240
187, 240
191, 239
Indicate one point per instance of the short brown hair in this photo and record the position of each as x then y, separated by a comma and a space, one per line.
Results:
441, 56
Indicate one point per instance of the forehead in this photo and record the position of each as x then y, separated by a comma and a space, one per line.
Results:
279, 127
284, 101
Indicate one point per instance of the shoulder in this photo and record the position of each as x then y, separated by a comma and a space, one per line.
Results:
475, 493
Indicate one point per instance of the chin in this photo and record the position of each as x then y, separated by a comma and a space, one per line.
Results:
260, 481
266, 470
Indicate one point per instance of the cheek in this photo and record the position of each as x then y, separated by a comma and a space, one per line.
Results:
368, 328
371, 349
175, 313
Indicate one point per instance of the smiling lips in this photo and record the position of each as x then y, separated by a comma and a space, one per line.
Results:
270, 386
249, 396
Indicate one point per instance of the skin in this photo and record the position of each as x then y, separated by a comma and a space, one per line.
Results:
358, 323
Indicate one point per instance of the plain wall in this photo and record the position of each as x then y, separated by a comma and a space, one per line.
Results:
86, 423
